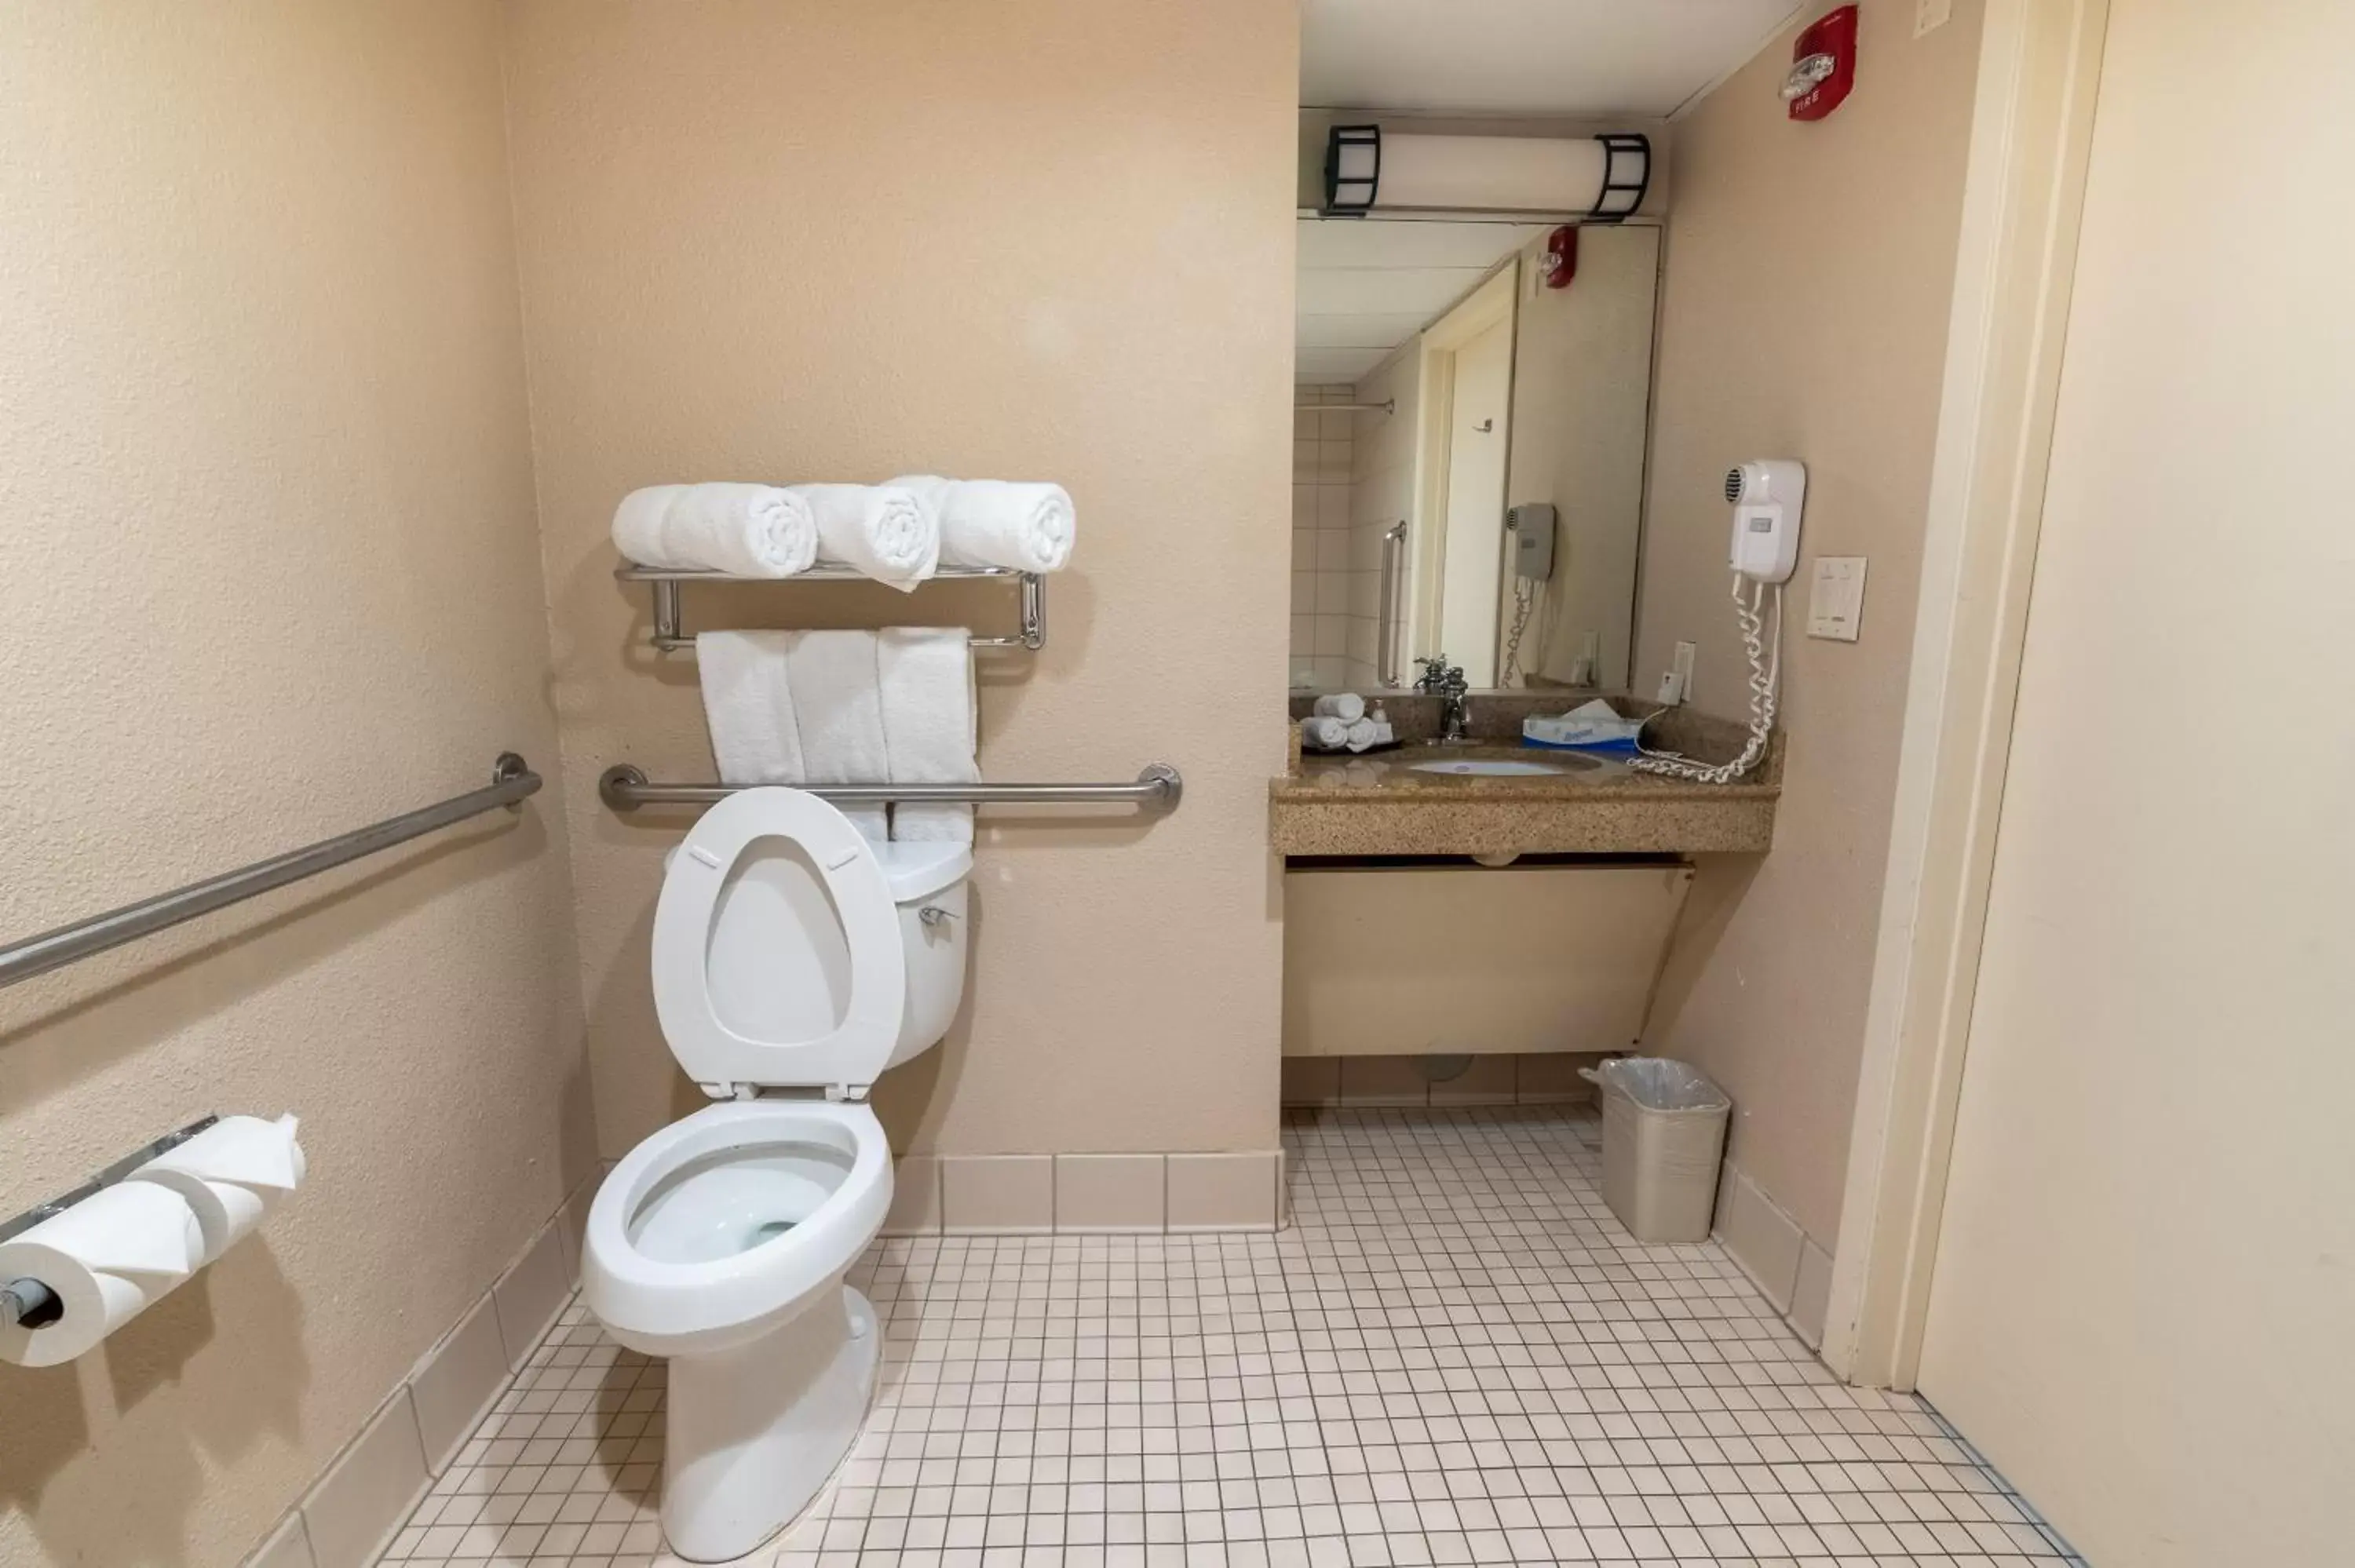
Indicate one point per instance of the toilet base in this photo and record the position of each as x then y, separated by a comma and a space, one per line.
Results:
755, 1432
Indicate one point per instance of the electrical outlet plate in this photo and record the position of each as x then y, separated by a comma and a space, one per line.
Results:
1836, 598
1929, 15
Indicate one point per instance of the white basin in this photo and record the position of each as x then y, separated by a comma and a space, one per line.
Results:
1488, 769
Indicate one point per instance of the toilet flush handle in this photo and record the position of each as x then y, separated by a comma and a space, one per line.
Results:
933, 915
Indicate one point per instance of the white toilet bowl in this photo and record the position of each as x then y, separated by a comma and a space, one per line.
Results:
793, 963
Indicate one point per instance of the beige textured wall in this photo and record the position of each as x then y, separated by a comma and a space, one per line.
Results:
2141, 1301
1043, 237
1581, 392
266, 502
1804, 314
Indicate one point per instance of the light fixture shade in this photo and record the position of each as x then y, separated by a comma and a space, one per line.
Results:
1353, 169
1595, 179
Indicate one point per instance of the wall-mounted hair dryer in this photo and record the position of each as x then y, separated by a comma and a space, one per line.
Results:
1767, 495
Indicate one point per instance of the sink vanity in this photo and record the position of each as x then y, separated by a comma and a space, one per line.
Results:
1491, 796
1483, 898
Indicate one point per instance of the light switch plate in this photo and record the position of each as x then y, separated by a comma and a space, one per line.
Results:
1835, 600
1929, 15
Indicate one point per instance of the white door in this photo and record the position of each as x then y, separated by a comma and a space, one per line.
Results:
2143, 1309
1474, 561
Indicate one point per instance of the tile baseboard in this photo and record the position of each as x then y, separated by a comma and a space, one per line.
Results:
354, 1507
1791, 1269
1368, 1083
1086, 1194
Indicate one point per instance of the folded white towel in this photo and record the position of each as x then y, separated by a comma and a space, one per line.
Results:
926, 676
754, 738
831, 681
880, 529
1323, 732
1347, 707
999, 522
1366, 734
744, 530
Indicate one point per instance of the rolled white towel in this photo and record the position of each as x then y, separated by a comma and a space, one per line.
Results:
1323, 732
743, 530
1366, 734
638, 524
882, 530
1347, 707
1025, 526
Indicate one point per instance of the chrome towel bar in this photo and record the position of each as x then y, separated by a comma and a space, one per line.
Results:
671, 636
511, 779
1158, 788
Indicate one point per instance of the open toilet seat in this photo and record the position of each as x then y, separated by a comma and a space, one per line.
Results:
777, 952
717, 1226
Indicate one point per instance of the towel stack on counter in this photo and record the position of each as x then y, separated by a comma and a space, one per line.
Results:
901, 533
1340, 722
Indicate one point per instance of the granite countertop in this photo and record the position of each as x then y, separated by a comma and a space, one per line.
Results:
1381, 803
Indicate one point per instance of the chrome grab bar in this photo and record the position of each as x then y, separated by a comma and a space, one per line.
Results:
625, 787
671, 636
511, 779
1393, 586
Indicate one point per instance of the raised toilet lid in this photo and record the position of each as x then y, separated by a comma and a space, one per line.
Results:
777, 948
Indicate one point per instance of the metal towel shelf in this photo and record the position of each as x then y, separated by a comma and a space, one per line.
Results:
1158, 788
511, 779
670, 635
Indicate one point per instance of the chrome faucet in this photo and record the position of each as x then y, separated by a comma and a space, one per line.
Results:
1444, 681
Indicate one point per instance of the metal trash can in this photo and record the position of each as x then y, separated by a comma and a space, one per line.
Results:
1663, 1136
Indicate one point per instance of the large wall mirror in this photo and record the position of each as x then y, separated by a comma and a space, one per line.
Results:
1448, 395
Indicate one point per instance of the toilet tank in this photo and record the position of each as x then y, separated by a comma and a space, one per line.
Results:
930, 881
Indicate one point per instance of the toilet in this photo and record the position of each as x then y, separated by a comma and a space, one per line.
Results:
793, 961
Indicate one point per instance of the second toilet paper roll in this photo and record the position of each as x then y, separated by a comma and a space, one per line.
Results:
107, 1259
231, 1175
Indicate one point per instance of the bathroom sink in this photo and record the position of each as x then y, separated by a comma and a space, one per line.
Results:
1485, 768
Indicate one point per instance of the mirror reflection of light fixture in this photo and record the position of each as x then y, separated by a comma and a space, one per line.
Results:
1595, 179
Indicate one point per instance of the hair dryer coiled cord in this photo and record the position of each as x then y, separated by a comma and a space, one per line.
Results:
1765, 676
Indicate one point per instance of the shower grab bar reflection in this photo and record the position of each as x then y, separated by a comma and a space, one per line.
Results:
1393, 585
511, 779
1158, 788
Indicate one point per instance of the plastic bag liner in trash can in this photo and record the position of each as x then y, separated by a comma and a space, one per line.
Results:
1662, 1135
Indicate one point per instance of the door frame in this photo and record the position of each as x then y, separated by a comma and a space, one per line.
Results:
1495, 300
2031, 129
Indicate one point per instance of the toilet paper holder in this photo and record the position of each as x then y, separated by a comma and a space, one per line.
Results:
29, 1302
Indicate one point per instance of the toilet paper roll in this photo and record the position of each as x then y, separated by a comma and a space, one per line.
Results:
108, 1258
233, 1175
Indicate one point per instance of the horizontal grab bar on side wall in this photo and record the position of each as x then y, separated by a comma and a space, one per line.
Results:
511, 779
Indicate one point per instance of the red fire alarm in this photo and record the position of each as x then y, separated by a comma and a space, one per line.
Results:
1560, 263
1823, 66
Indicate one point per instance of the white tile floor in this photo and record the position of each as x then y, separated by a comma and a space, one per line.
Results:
1454, 1356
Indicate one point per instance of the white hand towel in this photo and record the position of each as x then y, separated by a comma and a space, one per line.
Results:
746, 700
744, 530
1366, 734
831, 680
999, 522
926, 676
1347, 707
1323, 732
883, 531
